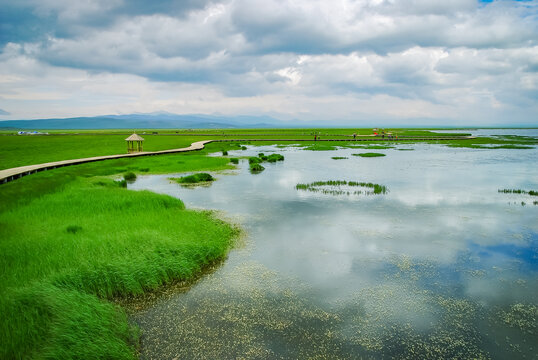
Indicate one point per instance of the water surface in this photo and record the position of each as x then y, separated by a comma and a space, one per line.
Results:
441, 266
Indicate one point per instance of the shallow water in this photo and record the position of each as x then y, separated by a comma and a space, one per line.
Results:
441, 266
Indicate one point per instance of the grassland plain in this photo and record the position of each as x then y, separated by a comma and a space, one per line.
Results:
18, 150
72, 239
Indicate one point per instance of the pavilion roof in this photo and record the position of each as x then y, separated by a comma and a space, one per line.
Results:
135, 137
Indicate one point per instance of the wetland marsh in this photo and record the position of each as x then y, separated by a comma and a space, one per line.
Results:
441, 266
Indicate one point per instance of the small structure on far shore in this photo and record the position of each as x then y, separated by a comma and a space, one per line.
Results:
134, 143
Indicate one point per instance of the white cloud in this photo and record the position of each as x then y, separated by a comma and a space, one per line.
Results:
342, 60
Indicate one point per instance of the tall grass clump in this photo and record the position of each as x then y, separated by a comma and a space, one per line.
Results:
254, 160
256, 168
275, 157
65, 253
195, 178
129, 176
234, 160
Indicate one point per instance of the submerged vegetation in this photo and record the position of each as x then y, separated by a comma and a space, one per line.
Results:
338, 157
335, 187
369, 154
194, 178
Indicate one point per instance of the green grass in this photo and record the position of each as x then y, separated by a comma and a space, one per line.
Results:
256, 168
195, 178
274, 158
234, 160
129, 176
71, 239
255, 162
369, 154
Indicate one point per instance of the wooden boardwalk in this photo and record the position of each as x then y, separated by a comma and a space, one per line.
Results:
18, 172
8, 175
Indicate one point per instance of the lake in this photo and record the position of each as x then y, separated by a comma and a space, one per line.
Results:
443, 265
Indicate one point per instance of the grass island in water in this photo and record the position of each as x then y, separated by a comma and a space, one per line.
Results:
334, 187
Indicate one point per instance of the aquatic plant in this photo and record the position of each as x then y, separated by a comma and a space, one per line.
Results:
129, 176
243, 147
234, 160
262, 157
224, 153
518, 191
338, 157
254, 160
369, 154
275, 158
195, 178
317, 187
256, 168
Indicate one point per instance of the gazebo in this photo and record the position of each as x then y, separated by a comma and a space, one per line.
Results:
134, 143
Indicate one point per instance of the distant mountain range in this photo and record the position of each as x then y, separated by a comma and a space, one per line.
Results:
147, 121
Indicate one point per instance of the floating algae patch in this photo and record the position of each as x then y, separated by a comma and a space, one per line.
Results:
257, 314
343, 187
521, 316
253, 312
431, 327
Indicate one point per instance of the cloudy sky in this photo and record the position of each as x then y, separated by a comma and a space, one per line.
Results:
397, 62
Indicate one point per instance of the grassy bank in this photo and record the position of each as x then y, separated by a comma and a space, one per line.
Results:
71, 239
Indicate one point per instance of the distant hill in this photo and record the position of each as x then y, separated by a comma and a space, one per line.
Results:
146, 121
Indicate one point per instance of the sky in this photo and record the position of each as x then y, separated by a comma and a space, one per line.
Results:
386, 62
